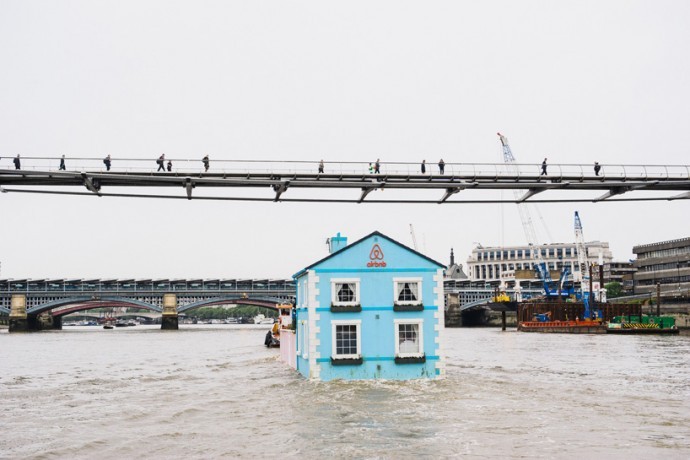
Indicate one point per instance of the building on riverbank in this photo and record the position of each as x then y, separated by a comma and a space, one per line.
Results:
666, 263
496, 262
370, 310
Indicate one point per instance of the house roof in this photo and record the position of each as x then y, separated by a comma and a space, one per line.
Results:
349, 246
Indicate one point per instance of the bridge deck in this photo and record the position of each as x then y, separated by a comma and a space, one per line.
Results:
613, 184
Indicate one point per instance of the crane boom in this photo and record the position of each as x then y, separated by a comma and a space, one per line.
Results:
581, 253
582, 263
527, 223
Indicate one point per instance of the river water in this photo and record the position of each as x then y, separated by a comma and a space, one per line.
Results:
214, 391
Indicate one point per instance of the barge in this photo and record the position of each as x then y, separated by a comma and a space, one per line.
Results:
570, 318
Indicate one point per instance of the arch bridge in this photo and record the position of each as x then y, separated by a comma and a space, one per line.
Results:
24, 300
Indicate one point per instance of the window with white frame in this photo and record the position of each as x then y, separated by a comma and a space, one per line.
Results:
305, 339
346, 339
409, 338
407, 291
306, 292
345, 292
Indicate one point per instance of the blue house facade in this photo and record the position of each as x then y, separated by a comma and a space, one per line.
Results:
370, 310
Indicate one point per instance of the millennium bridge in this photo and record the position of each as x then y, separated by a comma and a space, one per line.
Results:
25, 300
348, 182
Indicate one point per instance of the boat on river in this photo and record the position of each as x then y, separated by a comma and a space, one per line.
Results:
261, 319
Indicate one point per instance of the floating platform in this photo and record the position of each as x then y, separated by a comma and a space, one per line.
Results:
640, 328
591, 327
563, 327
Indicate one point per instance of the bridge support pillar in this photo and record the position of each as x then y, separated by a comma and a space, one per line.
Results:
19, 320
169, 321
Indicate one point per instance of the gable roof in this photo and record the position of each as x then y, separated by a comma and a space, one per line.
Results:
375, 233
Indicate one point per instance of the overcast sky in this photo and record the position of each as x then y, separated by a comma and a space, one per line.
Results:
303, 80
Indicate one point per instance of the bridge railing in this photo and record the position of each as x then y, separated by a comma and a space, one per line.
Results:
288, 167
71, 286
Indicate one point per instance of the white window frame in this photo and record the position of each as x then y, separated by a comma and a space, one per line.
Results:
305, 339
306, 292
355, 322
397, 281
420, 336
334, 293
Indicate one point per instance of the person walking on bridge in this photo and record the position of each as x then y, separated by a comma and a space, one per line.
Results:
161, 163
321, 167
205, 161
169, 166
441, 166
423, 166
597, 168
106, 162
543, 167
377, 166
17, 163
62, 163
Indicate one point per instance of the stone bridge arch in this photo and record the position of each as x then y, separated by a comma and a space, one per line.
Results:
266, 302
60, 307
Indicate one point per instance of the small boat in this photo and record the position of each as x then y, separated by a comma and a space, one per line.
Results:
271, 340
108, 326
261, 319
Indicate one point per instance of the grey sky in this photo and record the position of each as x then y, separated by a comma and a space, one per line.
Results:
403, 81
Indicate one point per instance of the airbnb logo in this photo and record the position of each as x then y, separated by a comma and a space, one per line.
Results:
376, 256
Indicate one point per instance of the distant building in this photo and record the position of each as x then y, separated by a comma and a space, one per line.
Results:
666, 263
494, 263
454, 271
370, 310
620, 272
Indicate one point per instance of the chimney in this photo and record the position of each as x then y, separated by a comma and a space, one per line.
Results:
336, 243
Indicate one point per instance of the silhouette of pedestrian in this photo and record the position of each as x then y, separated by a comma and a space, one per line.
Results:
17, 163
377, 167
321, 167
161, 163
597, 168
441, 166
205, 161
169, 165
423, 166
543, 167
106, 162
62, 163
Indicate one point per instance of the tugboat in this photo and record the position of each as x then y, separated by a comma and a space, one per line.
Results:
272, 339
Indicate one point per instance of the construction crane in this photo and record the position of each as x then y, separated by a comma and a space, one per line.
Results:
582, 263
528, 226
414, 238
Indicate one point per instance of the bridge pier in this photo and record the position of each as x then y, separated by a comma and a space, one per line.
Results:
169, 320
19, 321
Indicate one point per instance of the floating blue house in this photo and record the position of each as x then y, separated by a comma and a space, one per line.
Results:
370, 310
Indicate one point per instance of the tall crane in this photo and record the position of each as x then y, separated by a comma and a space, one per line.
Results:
528, 226
582, 263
